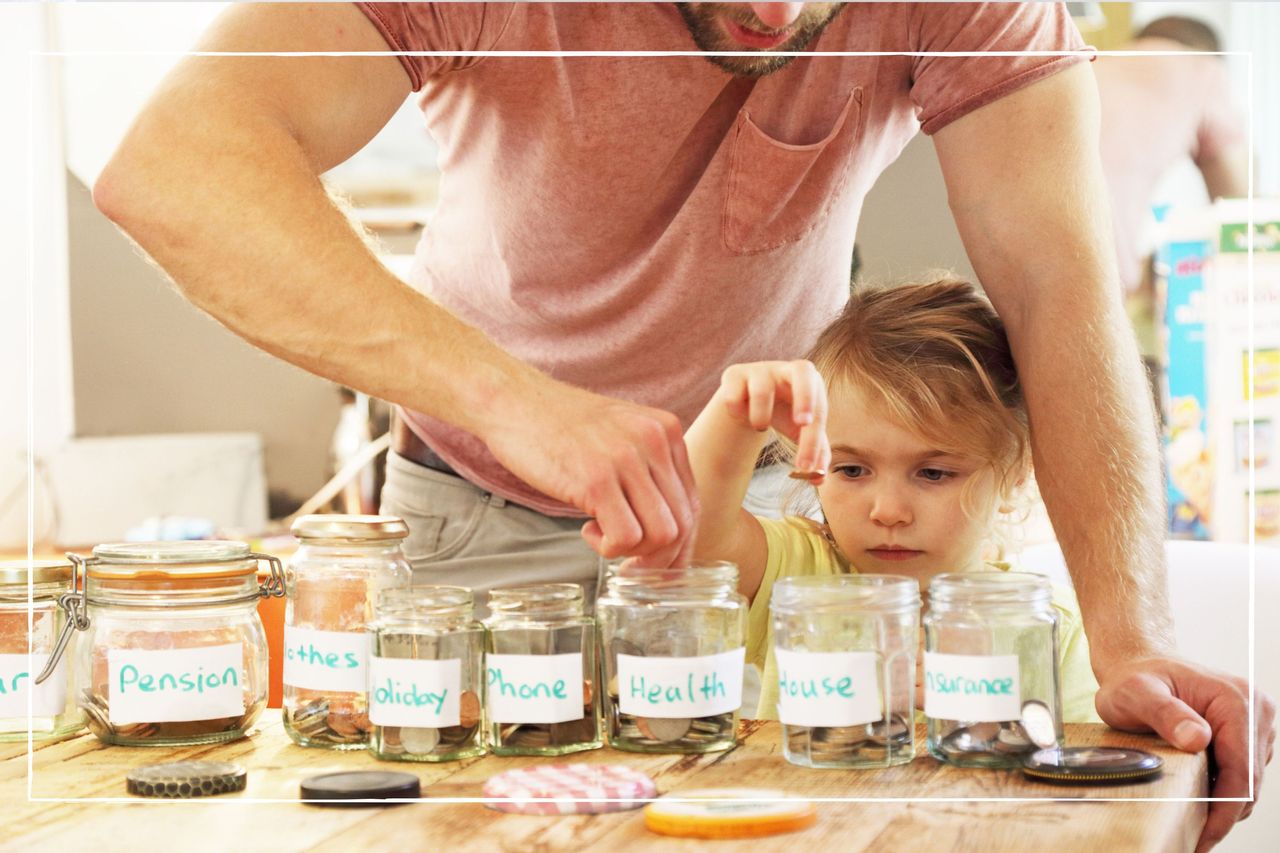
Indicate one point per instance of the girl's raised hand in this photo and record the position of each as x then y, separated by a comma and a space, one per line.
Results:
788, 396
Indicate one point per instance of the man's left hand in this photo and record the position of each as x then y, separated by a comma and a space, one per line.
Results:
1193, 707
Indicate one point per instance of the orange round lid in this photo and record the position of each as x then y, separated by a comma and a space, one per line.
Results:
728, 813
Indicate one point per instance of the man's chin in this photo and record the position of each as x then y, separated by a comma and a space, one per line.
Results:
750, 66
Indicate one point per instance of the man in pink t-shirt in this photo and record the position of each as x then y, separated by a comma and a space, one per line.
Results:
613, 230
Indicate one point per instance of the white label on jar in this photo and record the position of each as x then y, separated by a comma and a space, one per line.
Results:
535, 688
418, 693
681, 687
175, 685
326, 660
828, 688
16, 679
972, 688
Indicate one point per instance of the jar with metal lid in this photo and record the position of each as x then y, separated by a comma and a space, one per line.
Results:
172, 650
673, 642
845, 649
34, 588
991, 681
426, 675
341, 566
540, 671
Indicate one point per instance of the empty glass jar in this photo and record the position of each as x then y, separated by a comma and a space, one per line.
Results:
541, 671
845, 649
673, 646
426, 677
341, 566
53, 707
173, 651
991, 662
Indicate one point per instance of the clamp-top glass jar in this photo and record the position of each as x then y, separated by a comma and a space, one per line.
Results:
343, 563
53, 707
845, 649
173, 651
673, 645
990, 664
541, 671
426, 675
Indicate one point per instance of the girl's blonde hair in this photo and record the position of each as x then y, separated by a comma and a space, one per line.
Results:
934, 358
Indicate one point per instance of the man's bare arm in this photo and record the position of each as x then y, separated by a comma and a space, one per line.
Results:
218, 181
1025, 184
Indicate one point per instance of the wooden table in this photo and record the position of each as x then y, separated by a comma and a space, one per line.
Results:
81, 767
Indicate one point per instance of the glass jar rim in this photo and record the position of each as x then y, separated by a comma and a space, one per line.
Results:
548, 593
350, 528
21, 572
844, 591
424, 601
989, 587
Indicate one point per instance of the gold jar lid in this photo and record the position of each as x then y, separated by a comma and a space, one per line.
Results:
20, 572
357, 528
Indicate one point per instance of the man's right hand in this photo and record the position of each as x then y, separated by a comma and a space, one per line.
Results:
621, 463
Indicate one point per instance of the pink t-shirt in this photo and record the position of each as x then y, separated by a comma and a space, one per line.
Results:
1156, 110
633, 225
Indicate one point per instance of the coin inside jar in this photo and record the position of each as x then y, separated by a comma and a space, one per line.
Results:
974, 738
1038, 724
468, 709
418, 740
665, 729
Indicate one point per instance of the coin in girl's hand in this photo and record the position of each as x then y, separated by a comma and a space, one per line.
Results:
811, 476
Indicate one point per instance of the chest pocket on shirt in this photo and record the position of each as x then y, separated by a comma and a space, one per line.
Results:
778, 192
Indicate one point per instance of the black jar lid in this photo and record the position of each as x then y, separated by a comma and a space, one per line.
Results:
184, 779
339, 789
1091, 765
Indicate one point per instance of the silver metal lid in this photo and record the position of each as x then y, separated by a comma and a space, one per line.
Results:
360, 528
171, 553
37, 571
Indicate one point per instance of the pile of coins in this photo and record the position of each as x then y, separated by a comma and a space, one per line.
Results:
882, 742
98, 719
688, 734
515, 738
326, 721
420, 741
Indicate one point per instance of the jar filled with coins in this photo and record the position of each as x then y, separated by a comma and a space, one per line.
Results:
673, 646
172, 650
426, 675
845, 649
34, 587
991, 684
341, 566
540, 671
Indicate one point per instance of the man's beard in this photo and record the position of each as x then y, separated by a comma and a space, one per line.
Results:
701, 19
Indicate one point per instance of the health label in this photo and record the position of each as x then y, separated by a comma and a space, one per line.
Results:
681, 687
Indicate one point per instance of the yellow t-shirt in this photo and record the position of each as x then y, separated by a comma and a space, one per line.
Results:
796, 547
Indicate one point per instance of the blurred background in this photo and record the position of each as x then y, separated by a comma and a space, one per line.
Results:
152, 421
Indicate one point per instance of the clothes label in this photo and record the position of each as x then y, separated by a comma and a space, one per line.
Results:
326, 660
416, 693
535, 688
828, 688
174, 685
681, 687
16, 680
972, 688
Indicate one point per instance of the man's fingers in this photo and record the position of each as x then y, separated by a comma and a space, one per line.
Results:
1145, 701
619, 529
760, 409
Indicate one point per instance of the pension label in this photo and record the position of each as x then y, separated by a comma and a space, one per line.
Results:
175, 685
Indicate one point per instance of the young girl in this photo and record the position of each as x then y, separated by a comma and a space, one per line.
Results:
909, 424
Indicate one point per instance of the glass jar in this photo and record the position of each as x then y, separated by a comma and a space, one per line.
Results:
845, 648
343, 563
172, 651
53, 710
540, 671
673, 646
991, 651
426, 676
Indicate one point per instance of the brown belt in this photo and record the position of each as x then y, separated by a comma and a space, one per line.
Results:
405, 442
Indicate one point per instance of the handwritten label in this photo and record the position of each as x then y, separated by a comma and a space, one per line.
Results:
534, 688
326, 660
973, 688
681, 687
173, 685
420, 693
15, 683
828, 688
